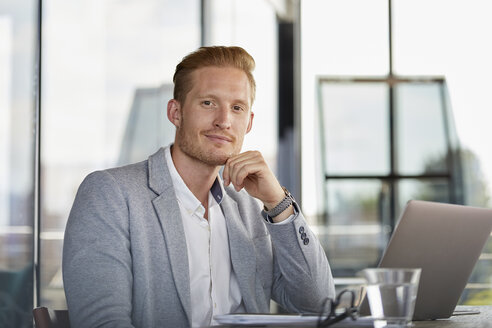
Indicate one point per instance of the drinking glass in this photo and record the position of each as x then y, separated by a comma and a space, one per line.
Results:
391, 293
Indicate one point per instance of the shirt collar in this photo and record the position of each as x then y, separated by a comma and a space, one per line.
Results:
217, 190
184, 195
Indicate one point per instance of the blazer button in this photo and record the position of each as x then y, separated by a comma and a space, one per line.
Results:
306, 241
301, 229
303, 235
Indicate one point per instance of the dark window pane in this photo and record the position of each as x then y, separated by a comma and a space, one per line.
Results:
355, 128
421, 137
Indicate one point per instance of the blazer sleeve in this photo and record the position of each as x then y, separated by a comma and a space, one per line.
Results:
301, 272
97, 266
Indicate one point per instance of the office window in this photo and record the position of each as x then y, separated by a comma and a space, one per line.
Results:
420, 116
108, 76
353, 234
428, 160
251, 24
108, 68
18, 31
355, 128
383, 142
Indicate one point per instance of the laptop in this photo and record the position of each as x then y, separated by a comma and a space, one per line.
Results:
445, 241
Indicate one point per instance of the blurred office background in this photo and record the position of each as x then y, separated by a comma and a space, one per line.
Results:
353, 121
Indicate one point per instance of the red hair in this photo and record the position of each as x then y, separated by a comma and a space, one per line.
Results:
219, 56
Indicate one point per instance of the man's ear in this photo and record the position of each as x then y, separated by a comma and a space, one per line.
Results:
250, 123
174, 112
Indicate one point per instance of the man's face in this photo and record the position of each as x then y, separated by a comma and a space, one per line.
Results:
215, 116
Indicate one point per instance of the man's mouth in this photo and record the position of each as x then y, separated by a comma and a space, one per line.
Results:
219, 138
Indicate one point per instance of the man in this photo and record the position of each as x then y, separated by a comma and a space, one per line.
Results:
167, 243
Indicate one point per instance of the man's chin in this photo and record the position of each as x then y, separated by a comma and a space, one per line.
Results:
215, 159
219, 160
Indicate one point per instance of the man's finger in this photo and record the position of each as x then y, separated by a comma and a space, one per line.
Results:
235, 168
240, 168
225, 175
245, 171
228, 172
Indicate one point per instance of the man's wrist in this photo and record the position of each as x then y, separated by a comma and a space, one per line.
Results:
281, 206
290, 211
271, 203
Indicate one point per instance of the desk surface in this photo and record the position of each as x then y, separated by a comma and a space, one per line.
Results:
482, 320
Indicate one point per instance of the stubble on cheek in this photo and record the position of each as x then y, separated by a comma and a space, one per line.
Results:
195, 150
190, 142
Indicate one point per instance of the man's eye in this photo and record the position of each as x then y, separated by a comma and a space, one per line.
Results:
207, 102
238, 108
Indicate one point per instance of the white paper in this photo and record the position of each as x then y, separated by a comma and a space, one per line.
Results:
286, 320
267, 319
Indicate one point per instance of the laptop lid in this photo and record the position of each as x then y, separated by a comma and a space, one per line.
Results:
444, 240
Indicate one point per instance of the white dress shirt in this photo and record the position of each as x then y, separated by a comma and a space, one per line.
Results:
213, 284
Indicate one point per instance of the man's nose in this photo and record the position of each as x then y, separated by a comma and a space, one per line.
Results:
223, 118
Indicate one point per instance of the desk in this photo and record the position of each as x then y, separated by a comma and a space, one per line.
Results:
482, 320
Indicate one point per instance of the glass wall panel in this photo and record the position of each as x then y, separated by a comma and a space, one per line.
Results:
479, 288
356, 232
355, 128
434, 190
252, 24
421, 131
18, 30
108, 68
338, 37
428, 161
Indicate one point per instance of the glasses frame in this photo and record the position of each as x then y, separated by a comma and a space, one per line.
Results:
332, 317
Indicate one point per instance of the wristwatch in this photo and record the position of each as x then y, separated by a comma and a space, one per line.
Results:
282, 206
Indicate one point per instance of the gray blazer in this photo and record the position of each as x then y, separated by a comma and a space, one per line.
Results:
125, 261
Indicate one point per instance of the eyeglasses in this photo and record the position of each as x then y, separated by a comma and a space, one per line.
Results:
329, 314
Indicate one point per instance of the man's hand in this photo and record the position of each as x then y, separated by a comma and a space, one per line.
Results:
250, 171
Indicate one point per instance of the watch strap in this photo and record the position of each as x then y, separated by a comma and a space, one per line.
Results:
282, 206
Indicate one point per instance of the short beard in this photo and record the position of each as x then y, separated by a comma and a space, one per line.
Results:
193, 151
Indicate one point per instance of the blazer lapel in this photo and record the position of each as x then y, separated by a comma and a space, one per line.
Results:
242, 254
169, 215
